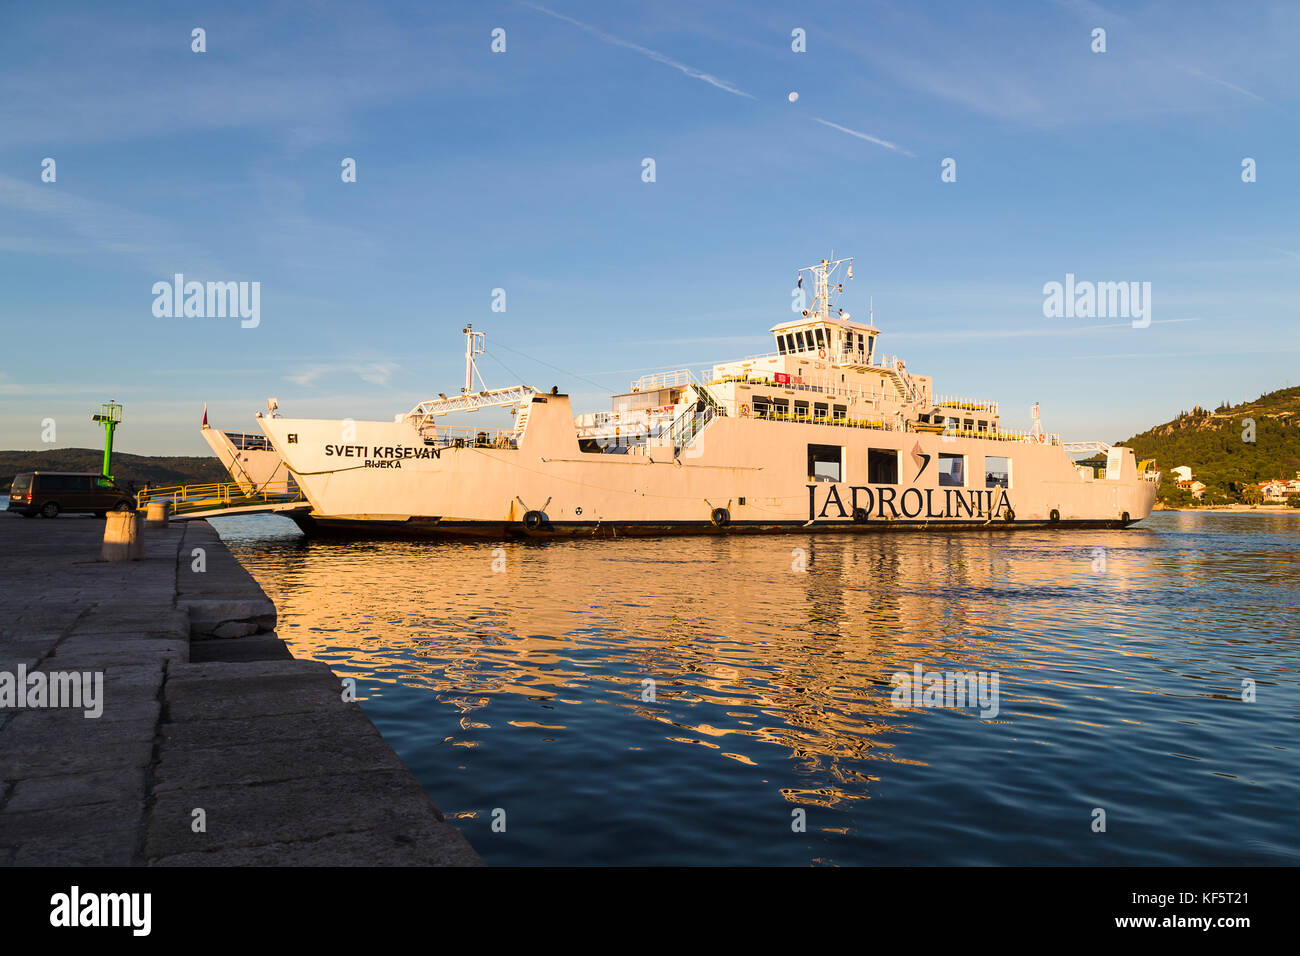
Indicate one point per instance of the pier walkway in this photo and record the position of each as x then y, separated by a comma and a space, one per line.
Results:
214, 746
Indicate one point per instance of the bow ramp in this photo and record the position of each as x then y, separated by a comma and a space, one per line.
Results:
227, 498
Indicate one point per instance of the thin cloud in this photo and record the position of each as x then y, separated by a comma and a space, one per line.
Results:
644, 51
377, 373
867, 136
1232, 86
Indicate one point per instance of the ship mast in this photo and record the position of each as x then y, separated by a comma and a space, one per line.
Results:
822, 272
470, 399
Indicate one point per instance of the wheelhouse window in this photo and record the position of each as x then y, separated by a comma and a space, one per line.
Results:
997, 472
952, 471
789, 342
882, 466
821, 343
825, 463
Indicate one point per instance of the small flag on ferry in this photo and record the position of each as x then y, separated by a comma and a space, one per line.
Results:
800, 285
205, 414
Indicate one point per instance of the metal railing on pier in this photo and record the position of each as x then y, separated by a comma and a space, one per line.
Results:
186, 499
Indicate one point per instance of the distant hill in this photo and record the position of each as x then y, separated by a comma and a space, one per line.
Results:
1211, 444
161, 470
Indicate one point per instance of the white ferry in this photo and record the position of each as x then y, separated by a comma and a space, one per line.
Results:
825, 434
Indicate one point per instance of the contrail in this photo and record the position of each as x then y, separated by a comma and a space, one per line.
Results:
1232, 86
870, 139
657, 57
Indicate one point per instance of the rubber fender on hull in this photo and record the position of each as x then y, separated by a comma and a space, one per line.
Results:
536, 520
720, 517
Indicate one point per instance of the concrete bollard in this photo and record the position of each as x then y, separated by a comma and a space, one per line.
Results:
159, 512
123, 540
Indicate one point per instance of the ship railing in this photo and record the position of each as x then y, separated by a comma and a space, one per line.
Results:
1028, 438
185, 498
851, 394
878, 424
688, 425
966, 404
654, 380
467, 436
247, 442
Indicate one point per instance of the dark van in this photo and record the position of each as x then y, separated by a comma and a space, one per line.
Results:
51, 493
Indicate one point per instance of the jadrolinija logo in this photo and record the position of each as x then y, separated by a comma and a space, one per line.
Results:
891, 501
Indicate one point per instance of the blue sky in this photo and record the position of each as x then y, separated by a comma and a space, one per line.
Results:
522, 170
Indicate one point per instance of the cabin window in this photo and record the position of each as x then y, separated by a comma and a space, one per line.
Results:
882, 466
780, 407
982, 426
801, 411
825, 463
924, 418
819, 411
997, 472
762, 406
970, 424
952, 471
838, 413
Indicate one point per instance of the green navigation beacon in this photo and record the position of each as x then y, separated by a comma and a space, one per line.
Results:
109, 415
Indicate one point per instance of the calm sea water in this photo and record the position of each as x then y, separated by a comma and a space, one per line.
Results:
1121, 660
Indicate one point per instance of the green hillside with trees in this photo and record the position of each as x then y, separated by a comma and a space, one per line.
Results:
1216, 445
161, 470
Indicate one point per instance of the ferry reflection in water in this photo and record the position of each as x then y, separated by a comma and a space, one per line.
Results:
1120, 657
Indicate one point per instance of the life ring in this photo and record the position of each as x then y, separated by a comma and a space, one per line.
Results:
1042, 439
744, 411
535, 520
720, 517
821, 353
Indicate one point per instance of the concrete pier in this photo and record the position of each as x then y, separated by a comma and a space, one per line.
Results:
214, 746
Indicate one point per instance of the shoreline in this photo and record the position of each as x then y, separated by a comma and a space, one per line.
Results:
1234, 509
213, 746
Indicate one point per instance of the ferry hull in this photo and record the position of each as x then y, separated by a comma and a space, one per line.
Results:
738, 476
318, 526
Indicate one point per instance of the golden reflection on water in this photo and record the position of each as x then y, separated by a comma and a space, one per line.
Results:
746, 652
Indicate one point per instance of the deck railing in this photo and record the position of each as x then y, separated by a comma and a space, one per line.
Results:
770, 416
187, 498
967, 404
467, 436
